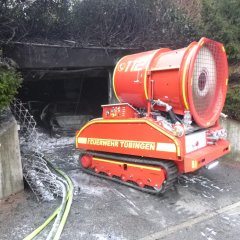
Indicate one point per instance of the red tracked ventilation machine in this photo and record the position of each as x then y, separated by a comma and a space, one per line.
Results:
167, 121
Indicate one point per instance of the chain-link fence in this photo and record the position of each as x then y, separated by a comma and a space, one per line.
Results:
43, 182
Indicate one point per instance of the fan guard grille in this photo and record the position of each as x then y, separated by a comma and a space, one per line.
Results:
208, 84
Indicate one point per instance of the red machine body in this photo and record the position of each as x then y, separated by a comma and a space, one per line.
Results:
193, 78
167, 121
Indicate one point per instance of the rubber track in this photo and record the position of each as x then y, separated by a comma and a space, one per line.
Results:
168, 166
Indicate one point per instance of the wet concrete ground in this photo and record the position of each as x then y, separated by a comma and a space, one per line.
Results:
204, 205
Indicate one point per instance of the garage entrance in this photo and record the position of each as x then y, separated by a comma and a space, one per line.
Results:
65, 86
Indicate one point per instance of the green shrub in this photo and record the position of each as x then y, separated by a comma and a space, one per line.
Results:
10, 81
220, 20
232, 104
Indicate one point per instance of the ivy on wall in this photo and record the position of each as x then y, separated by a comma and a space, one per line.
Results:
10, 81
232, 104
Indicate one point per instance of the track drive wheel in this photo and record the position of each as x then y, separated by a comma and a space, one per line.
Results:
152, 176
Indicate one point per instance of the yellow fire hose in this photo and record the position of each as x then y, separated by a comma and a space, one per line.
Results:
58, 210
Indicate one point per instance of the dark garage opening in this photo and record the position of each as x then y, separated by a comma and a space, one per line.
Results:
64, 86
64, 101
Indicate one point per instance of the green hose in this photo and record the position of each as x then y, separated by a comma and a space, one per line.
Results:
54, 214
40, 228
69, 197
68, 207
59, 216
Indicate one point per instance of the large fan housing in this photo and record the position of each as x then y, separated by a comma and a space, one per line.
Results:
193, 78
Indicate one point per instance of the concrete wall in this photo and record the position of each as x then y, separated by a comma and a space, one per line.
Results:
233, 131
11, 177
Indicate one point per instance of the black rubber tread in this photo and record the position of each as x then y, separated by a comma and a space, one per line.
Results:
168, 166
